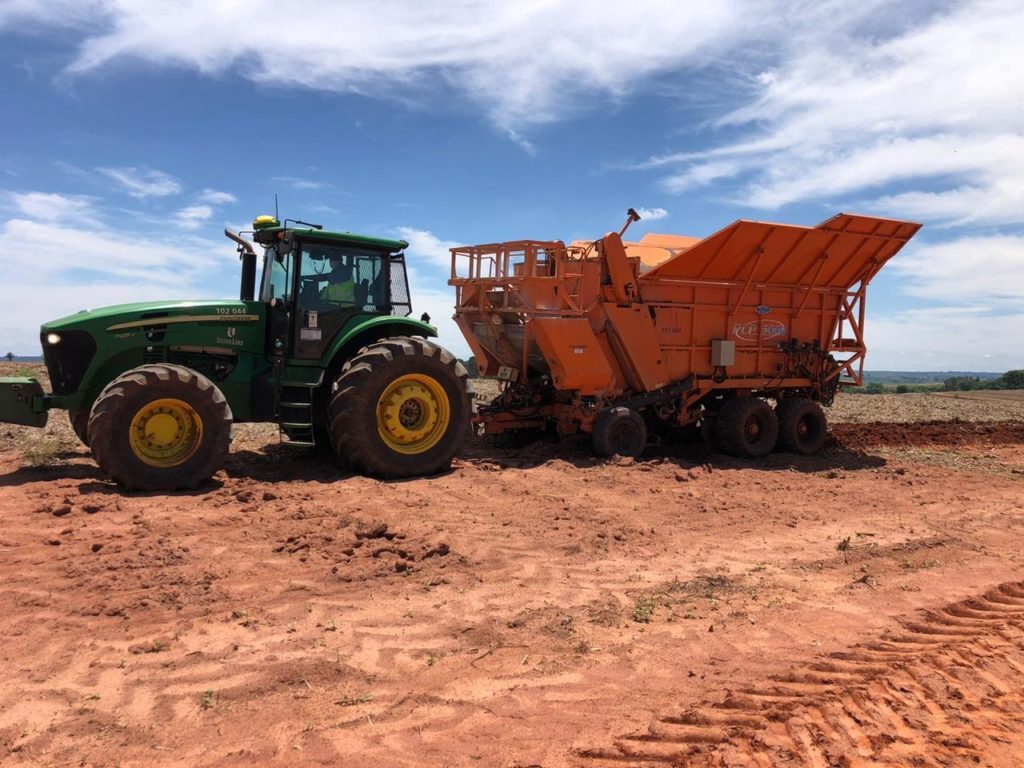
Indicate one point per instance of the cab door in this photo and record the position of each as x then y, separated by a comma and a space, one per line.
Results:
276, 292
336, 283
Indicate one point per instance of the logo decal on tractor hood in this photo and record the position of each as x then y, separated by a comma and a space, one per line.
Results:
770, 329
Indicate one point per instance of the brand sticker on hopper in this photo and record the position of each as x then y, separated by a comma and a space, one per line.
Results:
770, 329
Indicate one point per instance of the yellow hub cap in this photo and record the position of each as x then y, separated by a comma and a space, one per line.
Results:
413, 414
166, 433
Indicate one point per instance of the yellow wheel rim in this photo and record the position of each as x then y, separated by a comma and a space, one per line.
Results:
165, 433
413, 414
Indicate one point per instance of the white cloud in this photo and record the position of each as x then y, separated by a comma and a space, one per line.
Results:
651, 214
425, 245
523, 64
143, 183
29, 303
61, 13
943, 339
216, 197
48, 206
296, 182
979, 283
932, 100
978, 270
194, 216
439, 303
428, 262
999, 201
52, 251
57, 270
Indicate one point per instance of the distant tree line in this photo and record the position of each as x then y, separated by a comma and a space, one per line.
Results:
1009, 380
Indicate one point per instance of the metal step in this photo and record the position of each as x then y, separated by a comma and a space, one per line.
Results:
295, 410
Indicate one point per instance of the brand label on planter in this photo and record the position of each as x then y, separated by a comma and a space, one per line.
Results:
770, 329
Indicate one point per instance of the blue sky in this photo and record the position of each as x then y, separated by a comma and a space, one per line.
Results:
135, 130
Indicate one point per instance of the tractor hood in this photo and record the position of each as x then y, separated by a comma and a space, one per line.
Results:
121, 317
92, 346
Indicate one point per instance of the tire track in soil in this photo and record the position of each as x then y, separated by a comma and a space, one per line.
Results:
945, 689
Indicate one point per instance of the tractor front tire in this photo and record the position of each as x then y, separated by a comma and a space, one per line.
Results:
80, 424
619, 432
802, 426
160, 428
746, 427
400, 408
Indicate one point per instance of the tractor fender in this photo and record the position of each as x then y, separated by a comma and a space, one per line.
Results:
374, 329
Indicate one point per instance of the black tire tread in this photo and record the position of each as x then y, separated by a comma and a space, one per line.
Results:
350, 409
729, 428
111, 451
80, 425
606, 421
788, 412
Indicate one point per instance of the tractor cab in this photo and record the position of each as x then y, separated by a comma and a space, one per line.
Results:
317, 283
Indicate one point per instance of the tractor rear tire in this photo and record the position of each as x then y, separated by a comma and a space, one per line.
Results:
803, 428
80, 424
160, 428
400, 408
746, 427
619, 432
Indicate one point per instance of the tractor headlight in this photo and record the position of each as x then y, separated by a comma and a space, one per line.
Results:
53, 339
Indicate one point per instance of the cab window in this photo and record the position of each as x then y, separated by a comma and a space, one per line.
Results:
276, 278
334, 278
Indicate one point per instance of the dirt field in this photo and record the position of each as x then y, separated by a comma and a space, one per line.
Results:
534, 607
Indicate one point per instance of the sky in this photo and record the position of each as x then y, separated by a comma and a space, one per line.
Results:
134, 131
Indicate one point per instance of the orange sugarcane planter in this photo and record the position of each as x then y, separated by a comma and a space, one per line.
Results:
631, 340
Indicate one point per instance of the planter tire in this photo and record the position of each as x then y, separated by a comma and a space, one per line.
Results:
619, 432
747, 428
803, 428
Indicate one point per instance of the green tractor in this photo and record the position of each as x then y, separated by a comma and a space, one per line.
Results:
326, 350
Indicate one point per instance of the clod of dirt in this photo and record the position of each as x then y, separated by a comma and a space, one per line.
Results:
64, 509
245, 497
269, 496
91, 509
53, 542
440, 551
157, 645
376, 531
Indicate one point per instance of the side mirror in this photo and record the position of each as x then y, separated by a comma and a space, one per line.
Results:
284, 246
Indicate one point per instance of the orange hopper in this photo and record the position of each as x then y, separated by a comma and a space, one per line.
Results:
623, 339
